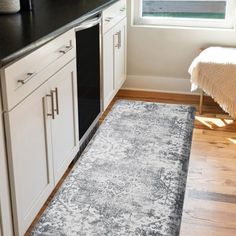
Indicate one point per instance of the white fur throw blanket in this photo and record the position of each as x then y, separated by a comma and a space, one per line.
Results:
214, 71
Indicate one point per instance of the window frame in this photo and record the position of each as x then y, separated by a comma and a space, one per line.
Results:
227, 23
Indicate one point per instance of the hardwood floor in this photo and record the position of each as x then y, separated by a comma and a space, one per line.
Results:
210, 200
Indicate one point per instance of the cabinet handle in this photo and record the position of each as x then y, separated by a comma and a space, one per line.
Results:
52, 114
118, 43
57, 101
118, 34
28, 78
123, 9
108, 19
119, 39
66, 49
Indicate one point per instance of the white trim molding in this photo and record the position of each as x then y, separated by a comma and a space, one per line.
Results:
158, 84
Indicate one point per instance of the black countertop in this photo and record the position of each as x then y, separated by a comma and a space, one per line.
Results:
23, 32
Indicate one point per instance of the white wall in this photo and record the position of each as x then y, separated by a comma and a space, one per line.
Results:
158, 58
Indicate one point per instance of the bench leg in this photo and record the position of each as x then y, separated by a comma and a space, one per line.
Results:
201, 102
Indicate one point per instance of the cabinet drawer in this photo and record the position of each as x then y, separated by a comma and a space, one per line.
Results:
113, 14
24, 76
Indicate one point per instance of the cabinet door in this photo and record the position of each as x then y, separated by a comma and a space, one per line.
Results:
30, 158
120, 55
65, 125
114, 61
108, 70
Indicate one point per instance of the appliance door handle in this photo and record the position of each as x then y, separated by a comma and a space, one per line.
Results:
88, 23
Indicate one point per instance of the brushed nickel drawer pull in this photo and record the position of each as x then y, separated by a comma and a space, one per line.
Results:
29, 77
52, 114
66, 49
108, 19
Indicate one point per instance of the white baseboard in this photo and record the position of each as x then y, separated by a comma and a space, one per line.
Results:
158, 84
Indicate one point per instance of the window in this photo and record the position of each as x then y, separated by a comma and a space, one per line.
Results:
202, 13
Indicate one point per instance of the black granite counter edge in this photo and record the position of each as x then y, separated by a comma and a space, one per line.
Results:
35, 45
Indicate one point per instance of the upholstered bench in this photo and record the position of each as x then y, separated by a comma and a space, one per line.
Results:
214, 72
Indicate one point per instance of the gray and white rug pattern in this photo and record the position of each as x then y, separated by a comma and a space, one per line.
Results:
131, 178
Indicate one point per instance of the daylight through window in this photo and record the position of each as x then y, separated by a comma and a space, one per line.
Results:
196, 13
211, 9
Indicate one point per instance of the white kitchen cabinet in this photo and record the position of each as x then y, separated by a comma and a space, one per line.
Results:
108, 68
65, 125
120, 54
29, 157
114, 50
42, 141
41, 125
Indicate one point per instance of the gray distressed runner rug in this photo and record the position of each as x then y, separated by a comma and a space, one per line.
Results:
131, 178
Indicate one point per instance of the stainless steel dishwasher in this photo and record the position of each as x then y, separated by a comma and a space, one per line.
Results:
88, 41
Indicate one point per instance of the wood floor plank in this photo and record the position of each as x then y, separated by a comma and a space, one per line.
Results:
210, 213
193, 229
212, 196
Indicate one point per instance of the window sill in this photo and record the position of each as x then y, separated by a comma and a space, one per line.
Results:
141, 25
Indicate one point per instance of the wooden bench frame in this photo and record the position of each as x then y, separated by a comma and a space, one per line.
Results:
201, 102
